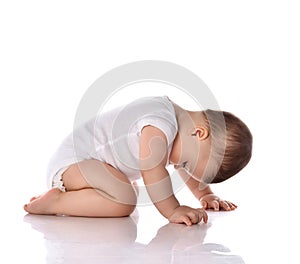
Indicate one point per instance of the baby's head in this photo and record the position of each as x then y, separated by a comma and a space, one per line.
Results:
230, 151
213, 145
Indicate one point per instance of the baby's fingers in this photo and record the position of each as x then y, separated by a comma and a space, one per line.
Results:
205, 216
202, 215
225, 206
204, 204
185, 219
194, 217
232, 205
215, 205
228, 206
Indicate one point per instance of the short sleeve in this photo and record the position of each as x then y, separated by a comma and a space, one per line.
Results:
163, 121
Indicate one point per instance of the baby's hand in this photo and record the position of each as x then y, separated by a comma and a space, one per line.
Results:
188, 215
211, 201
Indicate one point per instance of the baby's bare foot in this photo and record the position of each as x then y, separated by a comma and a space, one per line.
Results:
43, 204
34, 198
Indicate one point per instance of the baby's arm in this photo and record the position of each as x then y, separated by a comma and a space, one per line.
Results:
153, 158
204, 194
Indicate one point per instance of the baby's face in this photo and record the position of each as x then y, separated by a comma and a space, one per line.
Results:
195, 167
194, 157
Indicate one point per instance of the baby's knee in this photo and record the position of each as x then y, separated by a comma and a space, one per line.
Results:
125, 193
126, 210
127, 196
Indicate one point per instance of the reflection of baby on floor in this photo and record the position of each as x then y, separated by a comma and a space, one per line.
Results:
103, 240
180, 244
72, 239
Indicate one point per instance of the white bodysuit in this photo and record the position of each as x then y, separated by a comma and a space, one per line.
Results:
113, 137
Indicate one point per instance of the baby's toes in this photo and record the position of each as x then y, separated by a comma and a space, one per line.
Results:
34, 198
26, 208
32, 207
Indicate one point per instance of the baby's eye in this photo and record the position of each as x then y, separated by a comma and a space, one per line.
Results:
186, 168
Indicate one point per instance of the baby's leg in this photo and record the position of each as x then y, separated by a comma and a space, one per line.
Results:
94, 189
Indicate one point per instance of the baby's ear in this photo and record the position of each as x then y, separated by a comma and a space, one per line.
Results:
201, 132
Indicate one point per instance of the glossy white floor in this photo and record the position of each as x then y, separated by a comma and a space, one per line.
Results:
259, 231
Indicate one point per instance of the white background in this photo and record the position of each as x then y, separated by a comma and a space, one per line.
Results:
247, 52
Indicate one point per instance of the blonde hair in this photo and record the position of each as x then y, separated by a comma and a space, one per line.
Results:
231, 144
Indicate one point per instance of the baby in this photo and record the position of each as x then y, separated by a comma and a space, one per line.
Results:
93, 172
